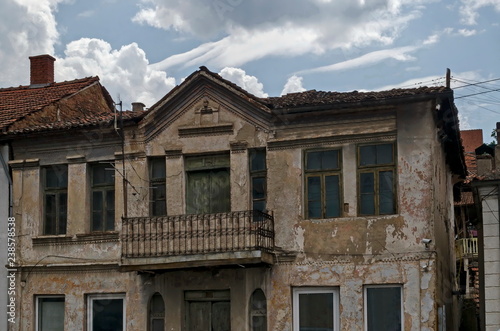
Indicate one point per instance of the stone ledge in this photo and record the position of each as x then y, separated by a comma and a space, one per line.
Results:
82, 238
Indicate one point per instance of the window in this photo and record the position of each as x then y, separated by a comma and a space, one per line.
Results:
50, 313
157, 184
208, 189
383, 308
376, 180
258, 179
103, 197
258, 311
315, 308
156, 313
106, 312
322, 173
55, 199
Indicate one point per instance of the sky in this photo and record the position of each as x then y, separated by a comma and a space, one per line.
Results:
142, 49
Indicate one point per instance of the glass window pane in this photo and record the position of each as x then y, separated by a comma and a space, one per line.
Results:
314, 197
56, 176
103, 174
97, 201
332, 196
386, 196
330, 159
158, 168
107, 314
158, 325
384, 154
63, 211
316, 311
259, 205
367, 198
383, 308
367, 155
220, 195
50, 214
258, 160
259, 323
258, 187
50, 314
313, 161
159, 199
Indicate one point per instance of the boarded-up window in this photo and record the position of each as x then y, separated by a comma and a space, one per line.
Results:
208, 188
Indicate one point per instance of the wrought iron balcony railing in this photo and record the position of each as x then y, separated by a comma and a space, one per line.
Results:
466, 247
145, 237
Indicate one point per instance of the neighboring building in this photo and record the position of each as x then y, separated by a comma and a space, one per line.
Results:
487, 197
223, 211
41, 105
466, 243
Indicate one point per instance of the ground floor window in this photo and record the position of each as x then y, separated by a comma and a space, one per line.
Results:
383, 308
315, 308
50, 313
258, 311
106, 312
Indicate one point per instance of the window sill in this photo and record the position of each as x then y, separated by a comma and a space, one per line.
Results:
81, 238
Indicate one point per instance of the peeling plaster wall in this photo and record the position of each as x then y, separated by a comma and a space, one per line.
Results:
346, 253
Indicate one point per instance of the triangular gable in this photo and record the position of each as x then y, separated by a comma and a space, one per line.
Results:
205, 94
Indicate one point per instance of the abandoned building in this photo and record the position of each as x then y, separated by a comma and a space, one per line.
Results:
218, 210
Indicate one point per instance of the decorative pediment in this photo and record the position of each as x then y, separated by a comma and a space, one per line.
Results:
206, 120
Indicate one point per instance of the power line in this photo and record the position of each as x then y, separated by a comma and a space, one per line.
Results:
470, 95
476, 83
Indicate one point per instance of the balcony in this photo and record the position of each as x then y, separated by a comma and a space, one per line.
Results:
466, 248
188, 241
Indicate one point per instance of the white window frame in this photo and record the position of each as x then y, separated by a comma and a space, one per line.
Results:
365, 303
37, 306
311, 290
101, 296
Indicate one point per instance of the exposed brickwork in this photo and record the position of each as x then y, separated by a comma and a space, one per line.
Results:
41, 69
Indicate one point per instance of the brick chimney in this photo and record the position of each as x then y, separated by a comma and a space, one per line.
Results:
41, 69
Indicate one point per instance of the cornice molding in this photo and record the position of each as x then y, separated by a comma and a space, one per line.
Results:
83, 238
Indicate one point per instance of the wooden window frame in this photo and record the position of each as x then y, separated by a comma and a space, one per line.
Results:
322, 174
255, 174
154, 183
104, 188
58, 192
376, 169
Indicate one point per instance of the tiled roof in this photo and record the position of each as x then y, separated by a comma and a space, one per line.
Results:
88, 120
318, 98
18, 102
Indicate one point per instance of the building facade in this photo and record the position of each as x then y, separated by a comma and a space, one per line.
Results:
218, 210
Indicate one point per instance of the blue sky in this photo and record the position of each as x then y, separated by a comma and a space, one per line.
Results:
142, 49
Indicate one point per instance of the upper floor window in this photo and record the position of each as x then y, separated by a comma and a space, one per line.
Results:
103, 197
157, 185
207, 190
322, 173
376, 180
55, 199
258, 173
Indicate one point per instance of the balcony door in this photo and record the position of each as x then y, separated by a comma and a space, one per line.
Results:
208, 311
208, 189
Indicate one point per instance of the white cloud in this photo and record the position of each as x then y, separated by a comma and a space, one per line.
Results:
399, 54
28, 28
469, 9
247, 82
125, 72
466, 32
237, 32
293, 84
